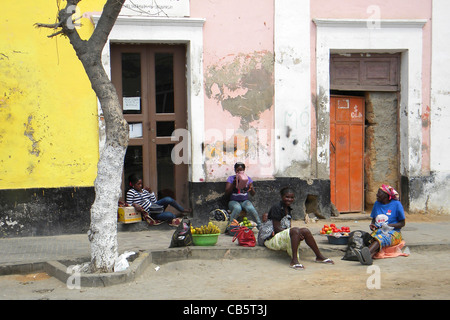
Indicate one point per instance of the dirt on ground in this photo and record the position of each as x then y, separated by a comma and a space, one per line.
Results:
422, 275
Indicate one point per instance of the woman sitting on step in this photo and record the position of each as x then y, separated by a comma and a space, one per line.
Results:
388, 218
153, 210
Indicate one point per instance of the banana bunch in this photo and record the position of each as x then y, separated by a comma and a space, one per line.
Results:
205, 229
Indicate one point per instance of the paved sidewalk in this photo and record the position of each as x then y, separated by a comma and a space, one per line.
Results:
29, 250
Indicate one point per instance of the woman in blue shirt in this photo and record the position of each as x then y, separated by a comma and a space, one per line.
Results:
388, 218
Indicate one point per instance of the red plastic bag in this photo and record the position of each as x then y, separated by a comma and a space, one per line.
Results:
245, 237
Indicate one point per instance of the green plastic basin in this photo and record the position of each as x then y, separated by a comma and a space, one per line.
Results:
205, 239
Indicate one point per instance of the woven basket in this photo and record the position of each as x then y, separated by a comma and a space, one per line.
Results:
222, 225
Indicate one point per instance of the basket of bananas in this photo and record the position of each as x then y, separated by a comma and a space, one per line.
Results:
206, 235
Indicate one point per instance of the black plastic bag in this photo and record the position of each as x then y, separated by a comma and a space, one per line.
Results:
182, 237
358, 239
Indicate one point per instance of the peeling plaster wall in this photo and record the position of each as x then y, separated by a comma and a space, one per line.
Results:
292, 89
431, 193
381, 144
43, 212
242, 86
239, 89
244, 89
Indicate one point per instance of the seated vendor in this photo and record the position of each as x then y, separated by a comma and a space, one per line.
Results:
277, 234
239, 199
388, 218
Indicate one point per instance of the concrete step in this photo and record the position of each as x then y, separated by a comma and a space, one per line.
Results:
352, 216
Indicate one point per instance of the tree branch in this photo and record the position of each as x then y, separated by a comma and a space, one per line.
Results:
106, 22
67, 25
55, 34
47, 25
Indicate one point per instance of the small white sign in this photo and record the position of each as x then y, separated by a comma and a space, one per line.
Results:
135, 130
156, 8
343, 104
131, 103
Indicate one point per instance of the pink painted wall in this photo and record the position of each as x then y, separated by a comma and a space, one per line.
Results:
234, 26
388, 9
238, 71
357, 9
238, 38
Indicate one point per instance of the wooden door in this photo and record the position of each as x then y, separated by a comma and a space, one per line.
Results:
347, 153
151, 84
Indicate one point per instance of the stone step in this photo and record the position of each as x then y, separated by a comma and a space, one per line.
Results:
352, 216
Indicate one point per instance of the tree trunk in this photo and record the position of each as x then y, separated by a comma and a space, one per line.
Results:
103, 229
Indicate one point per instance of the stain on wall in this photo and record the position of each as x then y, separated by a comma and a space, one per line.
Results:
243, 86
45, 211
322, 125
29, 133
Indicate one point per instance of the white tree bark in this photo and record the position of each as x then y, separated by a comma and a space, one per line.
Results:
103, 229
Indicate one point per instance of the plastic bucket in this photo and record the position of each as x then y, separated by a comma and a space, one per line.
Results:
205, 239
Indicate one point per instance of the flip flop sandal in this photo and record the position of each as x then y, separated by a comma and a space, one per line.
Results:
175, 222
364, 256
297, 266
151, 221
326, 261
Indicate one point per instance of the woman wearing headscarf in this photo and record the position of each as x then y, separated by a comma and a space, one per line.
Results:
388, 218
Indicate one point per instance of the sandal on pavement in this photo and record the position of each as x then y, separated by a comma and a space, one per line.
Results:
151, 221
175, 222
326, 261
297, 266
364, 256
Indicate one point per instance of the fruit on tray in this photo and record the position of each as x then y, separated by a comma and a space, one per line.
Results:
246, 223
210, 228
330, 229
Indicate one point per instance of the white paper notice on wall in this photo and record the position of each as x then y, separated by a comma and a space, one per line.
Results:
135, 130
131, 103
343, 103
156, 8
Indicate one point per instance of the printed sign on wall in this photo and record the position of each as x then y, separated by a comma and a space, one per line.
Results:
156, 8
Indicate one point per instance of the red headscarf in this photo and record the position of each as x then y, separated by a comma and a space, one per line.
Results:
390, 191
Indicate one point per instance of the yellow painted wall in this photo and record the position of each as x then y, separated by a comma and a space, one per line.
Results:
48, 111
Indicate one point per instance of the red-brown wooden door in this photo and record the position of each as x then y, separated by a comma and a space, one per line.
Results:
151, 84
347, 153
